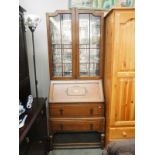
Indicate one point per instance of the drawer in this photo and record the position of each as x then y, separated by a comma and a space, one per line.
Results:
121, 133
96, 124
76, 110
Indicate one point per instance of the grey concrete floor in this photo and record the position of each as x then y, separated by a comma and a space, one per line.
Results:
76, 152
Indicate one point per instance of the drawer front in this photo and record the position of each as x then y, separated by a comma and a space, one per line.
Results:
76, 110
57, 125
121, 133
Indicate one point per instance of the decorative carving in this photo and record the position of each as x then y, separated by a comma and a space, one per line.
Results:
129, 20
76, 91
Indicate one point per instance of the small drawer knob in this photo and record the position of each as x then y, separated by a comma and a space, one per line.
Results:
124, 133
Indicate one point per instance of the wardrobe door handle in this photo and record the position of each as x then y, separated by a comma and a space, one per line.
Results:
91, 111
124, 134
61, 112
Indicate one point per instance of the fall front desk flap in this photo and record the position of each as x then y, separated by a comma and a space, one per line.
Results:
76, 91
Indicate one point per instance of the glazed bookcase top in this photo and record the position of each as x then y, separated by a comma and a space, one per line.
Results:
75, 44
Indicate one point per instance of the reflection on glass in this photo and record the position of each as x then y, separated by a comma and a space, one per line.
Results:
94, 31
56, 56
84, 46
89, 41
94, 55
84, 28
57, 70
66, 46
84, 56
56, 46
67, 56
66, 28
55, 29
94, 69
60, 26
67, 69
84, 69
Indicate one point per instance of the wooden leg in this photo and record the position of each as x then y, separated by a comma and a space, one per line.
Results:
102, 140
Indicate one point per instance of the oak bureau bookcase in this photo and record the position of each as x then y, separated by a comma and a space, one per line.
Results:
75, 47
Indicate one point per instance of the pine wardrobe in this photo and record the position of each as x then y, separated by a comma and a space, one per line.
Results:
119, 73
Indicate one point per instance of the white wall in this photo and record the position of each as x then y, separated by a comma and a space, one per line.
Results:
40, 7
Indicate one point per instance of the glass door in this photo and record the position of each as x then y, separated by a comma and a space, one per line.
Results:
89, 45
61, 39
75, 44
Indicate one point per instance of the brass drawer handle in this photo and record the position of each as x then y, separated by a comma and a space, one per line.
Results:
124, 134
61, 112
91, 111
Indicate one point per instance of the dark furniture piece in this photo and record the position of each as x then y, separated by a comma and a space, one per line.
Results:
24, 80
33, 135
120, 147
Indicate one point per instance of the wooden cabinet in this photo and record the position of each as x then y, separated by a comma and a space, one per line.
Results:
76, 106
75, 43
75, 47
33, 137
119, 73
24, 79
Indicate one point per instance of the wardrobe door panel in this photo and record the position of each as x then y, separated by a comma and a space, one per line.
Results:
125, 30
123, 106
